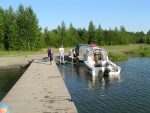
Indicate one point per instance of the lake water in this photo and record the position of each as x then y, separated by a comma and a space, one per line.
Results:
127, 93
8, 77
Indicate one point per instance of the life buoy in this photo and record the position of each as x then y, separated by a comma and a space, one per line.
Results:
4, 108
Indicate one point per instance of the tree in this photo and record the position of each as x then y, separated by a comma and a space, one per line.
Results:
71, 36
100, 36
83, 35
2, 33
62, 33
29, 30
91, 32
148, 37
21, 23
140, 37
124, 36
33, 30
11, 30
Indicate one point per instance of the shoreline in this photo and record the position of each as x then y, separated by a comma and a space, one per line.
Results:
23, 61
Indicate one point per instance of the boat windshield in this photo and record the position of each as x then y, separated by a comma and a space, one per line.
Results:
103, 55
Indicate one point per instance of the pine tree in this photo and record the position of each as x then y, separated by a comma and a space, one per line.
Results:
11, 30
91, 32
2, 33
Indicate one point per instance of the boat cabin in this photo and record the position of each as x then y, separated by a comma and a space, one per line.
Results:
96, 55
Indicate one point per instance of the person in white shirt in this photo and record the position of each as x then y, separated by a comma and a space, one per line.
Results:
72, 53
61, 51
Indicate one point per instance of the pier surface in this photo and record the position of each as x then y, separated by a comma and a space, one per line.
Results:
40, 89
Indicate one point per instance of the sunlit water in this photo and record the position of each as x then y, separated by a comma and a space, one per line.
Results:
127, 93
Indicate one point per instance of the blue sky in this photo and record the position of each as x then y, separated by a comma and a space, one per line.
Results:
134, 15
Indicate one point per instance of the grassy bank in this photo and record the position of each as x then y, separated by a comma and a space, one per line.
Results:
115, 52
26, 53
143, 50
117, 56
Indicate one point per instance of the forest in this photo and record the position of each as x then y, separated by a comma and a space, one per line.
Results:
20, 31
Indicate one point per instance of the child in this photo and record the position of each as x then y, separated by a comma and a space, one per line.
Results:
51, 54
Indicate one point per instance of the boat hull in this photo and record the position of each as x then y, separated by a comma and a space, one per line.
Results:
94, 71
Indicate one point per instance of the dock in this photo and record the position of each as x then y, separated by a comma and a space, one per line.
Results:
40, 89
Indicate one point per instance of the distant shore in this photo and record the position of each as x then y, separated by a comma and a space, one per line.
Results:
21, 60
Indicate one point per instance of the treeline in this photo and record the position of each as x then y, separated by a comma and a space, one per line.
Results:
20, 30
71, 36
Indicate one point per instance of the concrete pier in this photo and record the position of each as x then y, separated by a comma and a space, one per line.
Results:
40, 89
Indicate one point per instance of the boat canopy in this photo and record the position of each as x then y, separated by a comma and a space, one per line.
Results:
98, 53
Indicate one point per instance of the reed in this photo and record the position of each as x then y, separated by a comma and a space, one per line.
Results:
117, 56
142, 51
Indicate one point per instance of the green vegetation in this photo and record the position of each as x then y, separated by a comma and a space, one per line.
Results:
18, 53
143, 50
117, 56
25, 53
20, 34
115, 53
20, 31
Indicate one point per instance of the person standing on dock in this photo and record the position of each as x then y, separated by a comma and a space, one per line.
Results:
51, 54
61, 51
48, 53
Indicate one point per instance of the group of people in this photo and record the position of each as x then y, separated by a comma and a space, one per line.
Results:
51, 54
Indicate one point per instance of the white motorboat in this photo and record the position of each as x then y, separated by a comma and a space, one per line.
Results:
97, 62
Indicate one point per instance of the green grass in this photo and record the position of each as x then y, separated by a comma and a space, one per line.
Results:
143, 50
121, 48
117, 56
119, 52
19, 53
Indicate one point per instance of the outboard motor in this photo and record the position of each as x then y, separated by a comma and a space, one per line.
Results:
107, 69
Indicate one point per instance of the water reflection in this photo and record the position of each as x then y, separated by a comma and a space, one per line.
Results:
72, 69
80, 73
125, 93
104, 81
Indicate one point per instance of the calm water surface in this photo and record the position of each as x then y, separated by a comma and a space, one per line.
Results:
8, 77
127, 93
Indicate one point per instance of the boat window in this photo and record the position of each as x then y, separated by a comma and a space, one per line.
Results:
97, 57
104, 55
90, 54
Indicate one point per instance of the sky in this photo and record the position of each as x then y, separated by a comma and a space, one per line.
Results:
134, 15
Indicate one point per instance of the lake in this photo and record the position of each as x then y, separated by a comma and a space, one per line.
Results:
127, 93
8, 77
